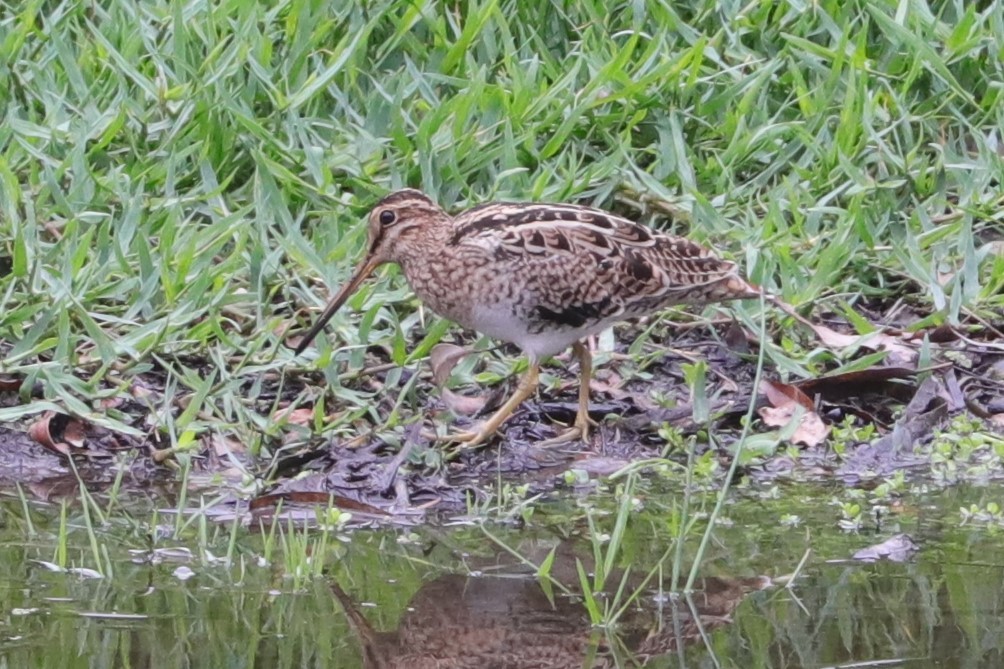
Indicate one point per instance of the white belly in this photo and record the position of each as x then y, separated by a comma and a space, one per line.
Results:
499, 324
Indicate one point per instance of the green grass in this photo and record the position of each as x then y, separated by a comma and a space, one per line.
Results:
179, 181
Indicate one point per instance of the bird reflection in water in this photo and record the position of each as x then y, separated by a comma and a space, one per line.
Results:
507, 620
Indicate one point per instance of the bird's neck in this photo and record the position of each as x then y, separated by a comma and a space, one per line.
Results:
424, 244
430, 263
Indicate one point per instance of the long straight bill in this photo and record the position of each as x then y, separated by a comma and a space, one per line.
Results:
363, 271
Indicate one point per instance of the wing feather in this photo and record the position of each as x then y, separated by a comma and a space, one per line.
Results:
620, 268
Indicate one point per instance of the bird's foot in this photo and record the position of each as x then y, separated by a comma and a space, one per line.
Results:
468, 438
571, 434
487, 430
579, 431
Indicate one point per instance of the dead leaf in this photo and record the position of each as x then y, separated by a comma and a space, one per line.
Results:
224, 445
58, 432
141, 392
54, 228
111, 402
443, 358
879, 340
899, 352
777, 416
599, 465
787, 400
9, 383
466, 405
834, 339
282, 329
610, 384
996, 247
74, 433
735, 338
942, 334
779, 394
811, 430
856, 383
299, 416
927, 409
314, 499
897, 548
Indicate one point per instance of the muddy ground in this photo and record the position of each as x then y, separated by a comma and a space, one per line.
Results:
856, 427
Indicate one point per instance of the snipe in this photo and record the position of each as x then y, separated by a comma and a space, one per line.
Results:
542, 276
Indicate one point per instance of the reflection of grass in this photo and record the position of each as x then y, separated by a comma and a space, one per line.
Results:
132, 606
606, 547
247, 607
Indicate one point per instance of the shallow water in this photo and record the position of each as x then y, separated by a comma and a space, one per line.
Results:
452, 597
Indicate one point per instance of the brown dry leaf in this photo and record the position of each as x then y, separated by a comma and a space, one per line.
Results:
942, 334
54, 228
282, 328
735, 338
834, 339
787, 400
856, 383
293, 343
780, 394
111, 402
316, 499
300, 416
224, 445
464, 405
944, 276
811, 430
74, 433
10, 383
612, 386
777, 416
54, 430
443, 358
899, 352
141, 392
894, 344
599, 465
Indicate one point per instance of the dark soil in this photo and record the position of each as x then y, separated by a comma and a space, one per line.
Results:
379, 480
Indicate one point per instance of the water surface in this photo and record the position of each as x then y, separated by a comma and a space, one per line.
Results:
451, 596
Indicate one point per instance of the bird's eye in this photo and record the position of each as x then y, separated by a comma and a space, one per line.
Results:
387, 217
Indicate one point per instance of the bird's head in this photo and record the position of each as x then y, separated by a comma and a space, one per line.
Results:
392, 223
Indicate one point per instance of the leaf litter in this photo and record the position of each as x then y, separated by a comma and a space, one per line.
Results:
379, 472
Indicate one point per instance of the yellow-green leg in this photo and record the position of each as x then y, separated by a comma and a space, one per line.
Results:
526, 387
582, 420
580, 429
